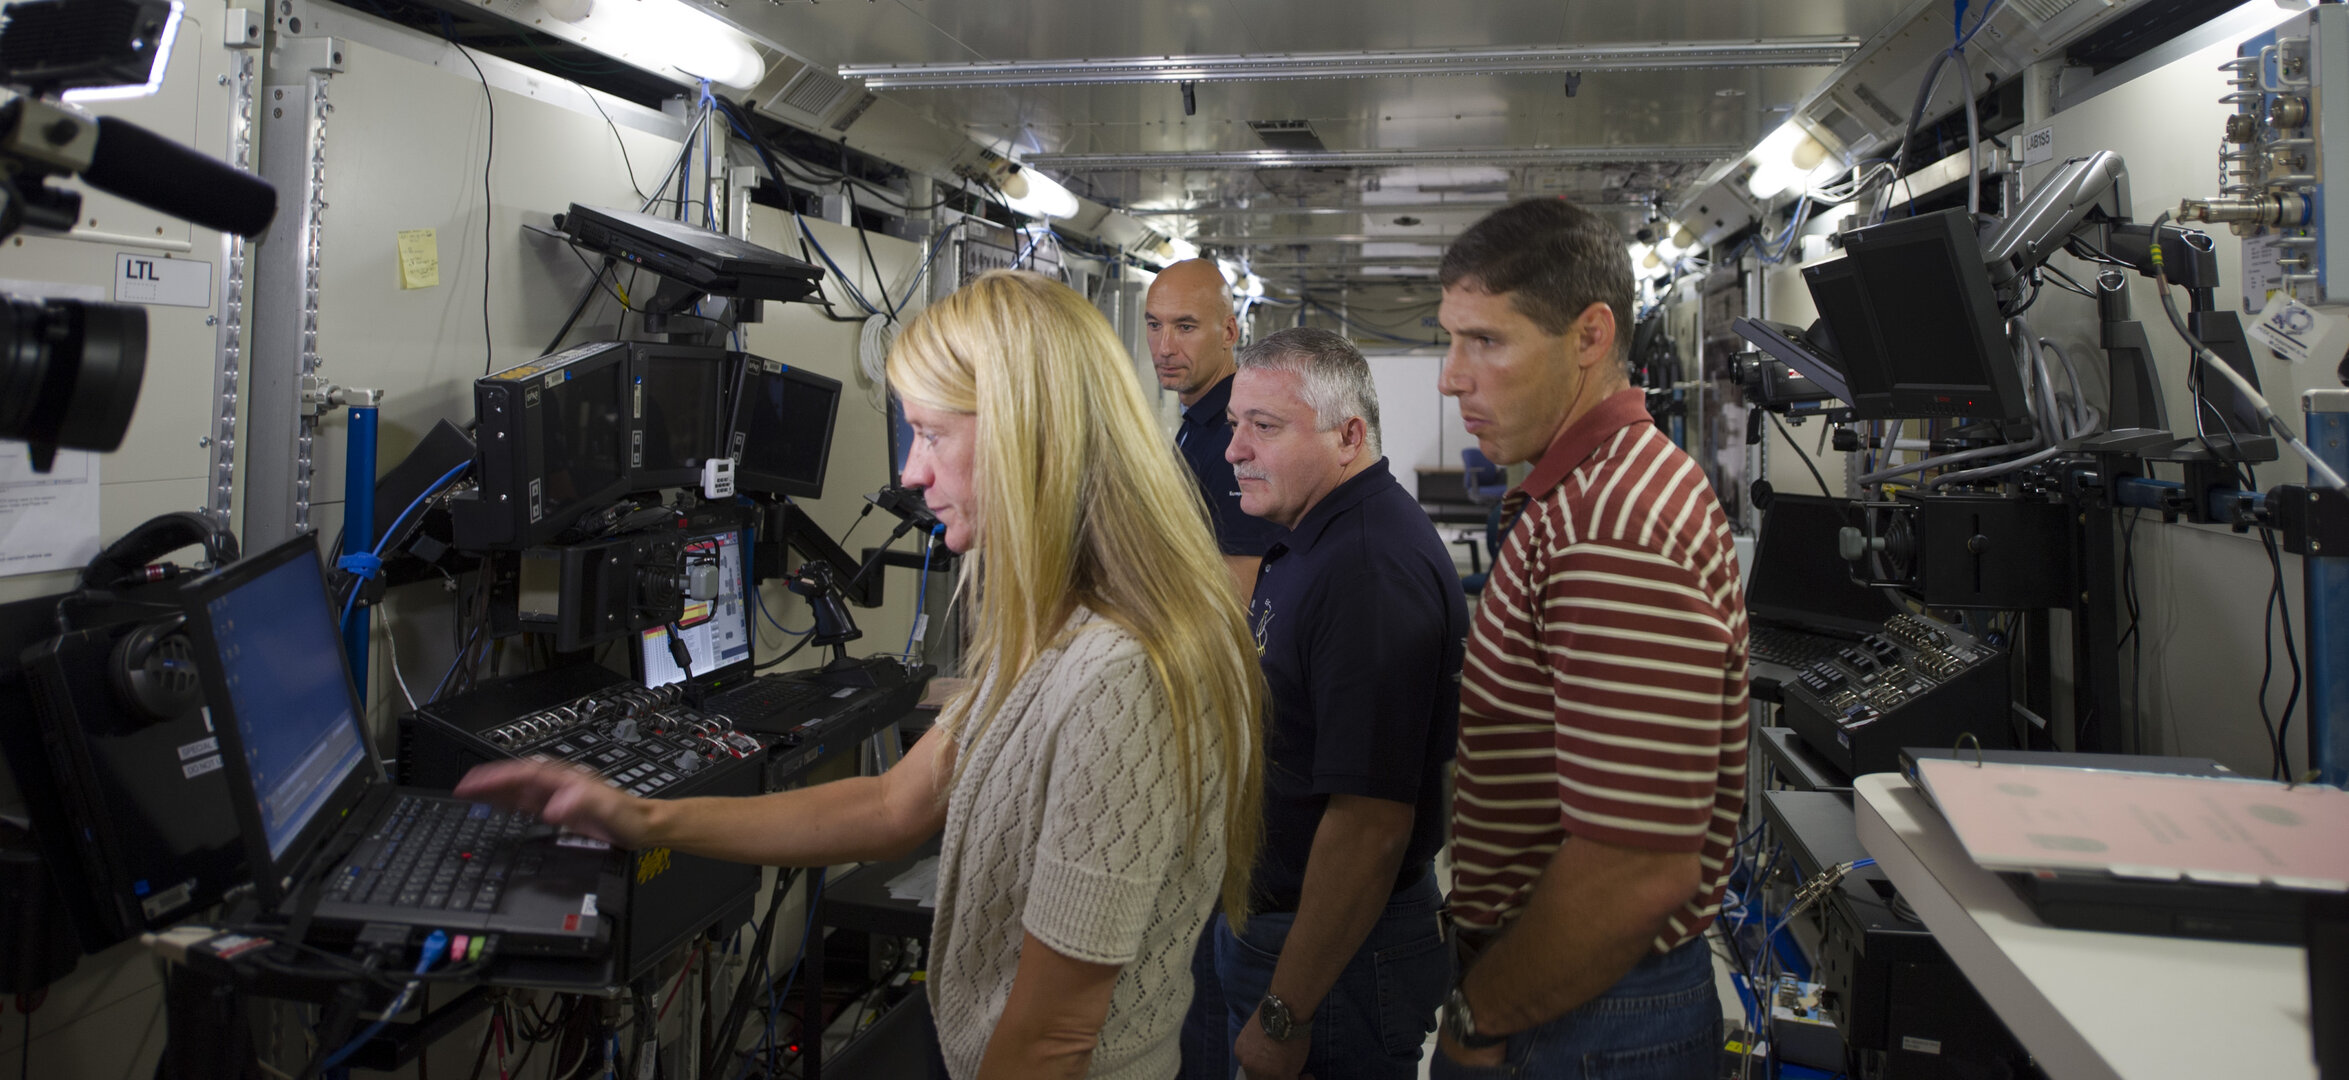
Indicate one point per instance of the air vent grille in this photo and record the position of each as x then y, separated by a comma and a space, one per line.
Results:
1287, 134
813, 92
2043, 10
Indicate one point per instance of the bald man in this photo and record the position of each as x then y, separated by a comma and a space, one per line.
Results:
1192, 335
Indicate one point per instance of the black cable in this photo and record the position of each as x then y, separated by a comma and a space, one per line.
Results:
1791, 444
787, 653
2277, 600
623, 143
488, 157
865, 237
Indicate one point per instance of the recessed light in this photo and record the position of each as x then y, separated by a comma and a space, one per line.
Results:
1729, 91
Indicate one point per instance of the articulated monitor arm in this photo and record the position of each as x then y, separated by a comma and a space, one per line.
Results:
2095, 184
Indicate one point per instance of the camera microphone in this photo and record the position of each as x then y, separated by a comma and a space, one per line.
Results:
128, 161
134, 163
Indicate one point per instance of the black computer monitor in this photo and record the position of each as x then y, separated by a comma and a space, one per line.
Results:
1915, 322
679, 401
783, 429
552, 444
1799, 575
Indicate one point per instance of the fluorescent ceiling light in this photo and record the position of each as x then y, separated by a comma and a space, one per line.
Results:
1260, 67
154, 81
1032, 193
664, 34
1295, 159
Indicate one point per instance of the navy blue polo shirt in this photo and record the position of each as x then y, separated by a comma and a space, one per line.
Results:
1361, 626
1201, 439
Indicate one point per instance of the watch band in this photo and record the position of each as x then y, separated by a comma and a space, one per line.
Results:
1460, 1024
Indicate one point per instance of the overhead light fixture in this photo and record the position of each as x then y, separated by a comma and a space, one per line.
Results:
663, 34
1786, 157
1311, 159
1032, 193
1382, 63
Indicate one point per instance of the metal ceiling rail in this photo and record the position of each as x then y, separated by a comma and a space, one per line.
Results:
1293, 239
1307, 159
1260, 67
1342, 264
1381, 209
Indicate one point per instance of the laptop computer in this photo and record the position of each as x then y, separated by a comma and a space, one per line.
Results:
1801, 602
716, 639
710, 261
333, 844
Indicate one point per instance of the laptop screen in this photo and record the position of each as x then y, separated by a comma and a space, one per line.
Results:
1798, 575
716, 632
280, 661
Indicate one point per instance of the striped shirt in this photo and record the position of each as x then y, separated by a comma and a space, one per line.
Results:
1605, 689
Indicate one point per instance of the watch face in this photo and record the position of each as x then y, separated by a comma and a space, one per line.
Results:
1274, 1015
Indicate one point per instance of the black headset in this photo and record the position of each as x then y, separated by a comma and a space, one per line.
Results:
153, 669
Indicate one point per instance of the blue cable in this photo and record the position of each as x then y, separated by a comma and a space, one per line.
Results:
365, 565
1979, 22
434, 945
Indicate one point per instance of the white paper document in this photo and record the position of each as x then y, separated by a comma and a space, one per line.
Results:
48, 521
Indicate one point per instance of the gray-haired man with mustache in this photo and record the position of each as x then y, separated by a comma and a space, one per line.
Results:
1360, 625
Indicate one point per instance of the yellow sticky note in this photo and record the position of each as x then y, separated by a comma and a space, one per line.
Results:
419, 259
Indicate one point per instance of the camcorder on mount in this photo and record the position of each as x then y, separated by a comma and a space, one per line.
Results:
70, 370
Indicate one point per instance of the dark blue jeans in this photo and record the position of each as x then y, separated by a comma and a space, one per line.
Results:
1662, 1021
1207, 1044
1377, 1017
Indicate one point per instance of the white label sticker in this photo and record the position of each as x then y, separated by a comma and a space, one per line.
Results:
1922, 1046
2262, 273
198, 748
2300, 333
194, 769
2039, 146
589, 843
153, 279
587, 904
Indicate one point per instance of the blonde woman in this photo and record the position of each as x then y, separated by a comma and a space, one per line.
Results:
1098, 787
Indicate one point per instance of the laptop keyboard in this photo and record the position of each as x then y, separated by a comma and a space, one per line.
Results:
1793, 648
439, 855
766, 697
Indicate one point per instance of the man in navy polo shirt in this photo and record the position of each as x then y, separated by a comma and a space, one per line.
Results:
1192, 333
1360, 625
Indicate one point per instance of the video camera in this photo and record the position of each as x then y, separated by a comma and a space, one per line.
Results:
70, 370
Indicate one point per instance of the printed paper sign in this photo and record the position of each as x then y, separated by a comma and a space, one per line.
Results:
2300, 333
2039, 146
153, 279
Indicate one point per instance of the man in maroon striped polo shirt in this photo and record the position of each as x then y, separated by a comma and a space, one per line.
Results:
1601, 766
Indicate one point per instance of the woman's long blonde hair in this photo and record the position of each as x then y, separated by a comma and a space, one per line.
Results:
1080, 502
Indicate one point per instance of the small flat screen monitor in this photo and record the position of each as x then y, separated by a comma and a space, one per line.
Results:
716, 632
553, 440
783, 429
1915, 321
679, 401
1800, 578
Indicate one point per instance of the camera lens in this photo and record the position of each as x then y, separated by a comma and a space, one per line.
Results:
70, 372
